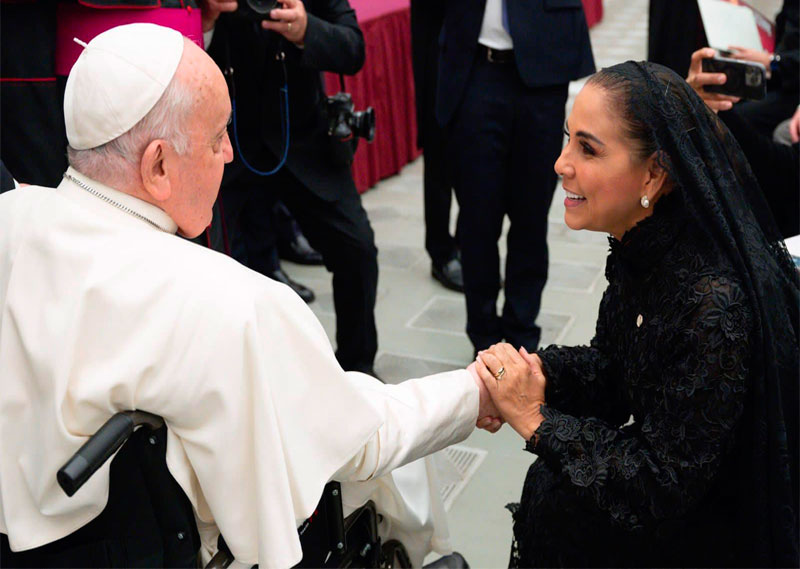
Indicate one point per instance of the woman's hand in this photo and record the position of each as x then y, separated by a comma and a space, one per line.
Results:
517, 391
290, 21
698, 78
794, 126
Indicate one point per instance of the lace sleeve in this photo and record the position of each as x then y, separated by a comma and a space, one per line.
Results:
578, 376
661, 469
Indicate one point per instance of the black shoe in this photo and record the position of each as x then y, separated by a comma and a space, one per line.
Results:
298, 250
302, 291
449, 274
453, 561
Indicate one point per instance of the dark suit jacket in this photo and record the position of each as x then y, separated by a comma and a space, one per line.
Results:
551, 45
334, 43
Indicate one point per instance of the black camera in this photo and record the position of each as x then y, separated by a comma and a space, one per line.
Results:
745, 79
344, 121
258, 9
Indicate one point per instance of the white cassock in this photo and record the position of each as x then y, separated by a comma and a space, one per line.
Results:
100, 312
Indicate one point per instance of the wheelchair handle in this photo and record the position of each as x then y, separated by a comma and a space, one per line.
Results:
100, 446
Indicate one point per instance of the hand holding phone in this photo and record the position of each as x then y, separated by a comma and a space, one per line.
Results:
745, 79
698, 79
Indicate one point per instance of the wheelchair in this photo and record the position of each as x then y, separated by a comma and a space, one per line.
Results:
328, 538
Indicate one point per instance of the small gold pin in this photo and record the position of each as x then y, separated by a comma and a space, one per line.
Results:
639, 321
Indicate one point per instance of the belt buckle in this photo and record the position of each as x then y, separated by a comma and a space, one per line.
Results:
489, 57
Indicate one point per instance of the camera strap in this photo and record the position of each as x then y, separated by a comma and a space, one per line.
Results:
284, 110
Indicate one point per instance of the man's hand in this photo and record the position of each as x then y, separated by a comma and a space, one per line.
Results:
488, 416
517, 391
211, 9
698, 78
290, 21
794, 126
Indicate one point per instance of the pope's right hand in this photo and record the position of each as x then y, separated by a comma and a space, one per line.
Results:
211, 9
488, 416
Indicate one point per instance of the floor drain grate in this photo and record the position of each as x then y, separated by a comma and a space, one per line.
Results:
465, 461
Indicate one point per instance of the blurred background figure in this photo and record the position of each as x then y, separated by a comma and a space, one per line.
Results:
442, 248
314, 181
504, 70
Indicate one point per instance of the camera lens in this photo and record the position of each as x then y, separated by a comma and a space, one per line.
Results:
262, 7
363, 124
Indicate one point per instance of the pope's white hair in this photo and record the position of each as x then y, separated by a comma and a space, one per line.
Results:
117, 162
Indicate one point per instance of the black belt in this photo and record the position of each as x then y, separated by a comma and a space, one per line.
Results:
495, 55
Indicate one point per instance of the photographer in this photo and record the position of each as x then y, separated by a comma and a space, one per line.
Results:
259, 58
775, 165
783, 72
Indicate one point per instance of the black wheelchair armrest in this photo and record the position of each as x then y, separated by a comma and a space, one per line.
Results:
100, 446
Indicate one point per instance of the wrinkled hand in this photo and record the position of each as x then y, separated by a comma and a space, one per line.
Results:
519, 393
290, 21
698, 78
794, 126
211, 9
488, 416
747, 54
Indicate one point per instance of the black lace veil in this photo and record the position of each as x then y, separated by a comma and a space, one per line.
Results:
721, 195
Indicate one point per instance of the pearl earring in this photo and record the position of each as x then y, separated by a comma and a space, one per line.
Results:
645, 202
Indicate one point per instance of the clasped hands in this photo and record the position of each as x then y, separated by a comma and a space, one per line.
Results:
515, 394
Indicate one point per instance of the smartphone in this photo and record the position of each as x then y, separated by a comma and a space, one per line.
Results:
746, 79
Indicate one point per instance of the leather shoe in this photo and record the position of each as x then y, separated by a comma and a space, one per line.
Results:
453, 561
449, 274
302, 291
300, 251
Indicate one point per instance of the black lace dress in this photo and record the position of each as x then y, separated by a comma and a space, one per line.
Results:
672, 349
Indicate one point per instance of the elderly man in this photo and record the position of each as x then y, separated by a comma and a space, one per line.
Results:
102, 309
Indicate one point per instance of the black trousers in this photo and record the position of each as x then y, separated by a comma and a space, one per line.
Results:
338, 229
504, 140
438, 188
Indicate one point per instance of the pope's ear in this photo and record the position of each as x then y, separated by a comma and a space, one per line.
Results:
155, 179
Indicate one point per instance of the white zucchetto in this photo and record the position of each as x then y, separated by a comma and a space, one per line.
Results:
118, 78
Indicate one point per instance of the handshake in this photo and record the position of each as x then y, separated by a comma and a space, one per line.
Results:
512, 389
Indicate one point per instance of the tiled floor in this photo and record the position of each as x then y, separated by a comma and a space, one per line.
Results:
421, 324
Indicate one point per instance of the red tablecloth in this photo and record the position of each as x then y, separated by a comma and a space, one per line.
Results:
387, 83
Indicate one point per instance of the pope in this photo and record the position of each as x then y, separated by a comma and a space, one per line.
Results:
103, 308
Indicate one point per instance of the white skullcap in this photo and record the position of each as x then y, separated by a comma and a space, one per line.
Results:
118, 78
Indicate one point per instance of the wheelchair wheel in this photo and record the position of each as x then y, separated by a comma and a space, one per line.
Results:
394, 555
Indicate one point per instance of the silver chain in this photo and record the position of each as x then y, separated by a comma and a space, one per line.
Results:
116, 204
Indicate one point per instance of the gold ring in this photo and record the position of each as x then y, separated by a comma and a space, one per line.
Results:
289, 27
500, 373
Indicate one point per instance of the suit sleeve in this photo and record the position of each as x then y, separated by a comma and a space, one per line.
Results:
334, 41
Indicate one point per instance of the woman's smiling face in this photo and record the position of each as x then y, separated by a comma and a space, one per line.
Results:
603, 177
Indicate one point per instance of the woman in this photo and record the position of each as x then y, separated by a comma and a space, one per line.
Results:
672, 439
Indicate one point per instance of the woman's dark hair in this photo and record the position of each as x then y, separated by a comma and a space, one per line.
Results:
635, 129
718, 192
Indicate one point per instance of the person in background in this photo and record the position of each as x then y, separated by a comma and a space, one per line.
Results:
776, 165
426, 24
292, 49
783, 74
504, 70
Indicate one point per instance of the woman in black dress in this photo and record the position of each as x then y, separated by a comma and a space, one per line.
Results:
672, 439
